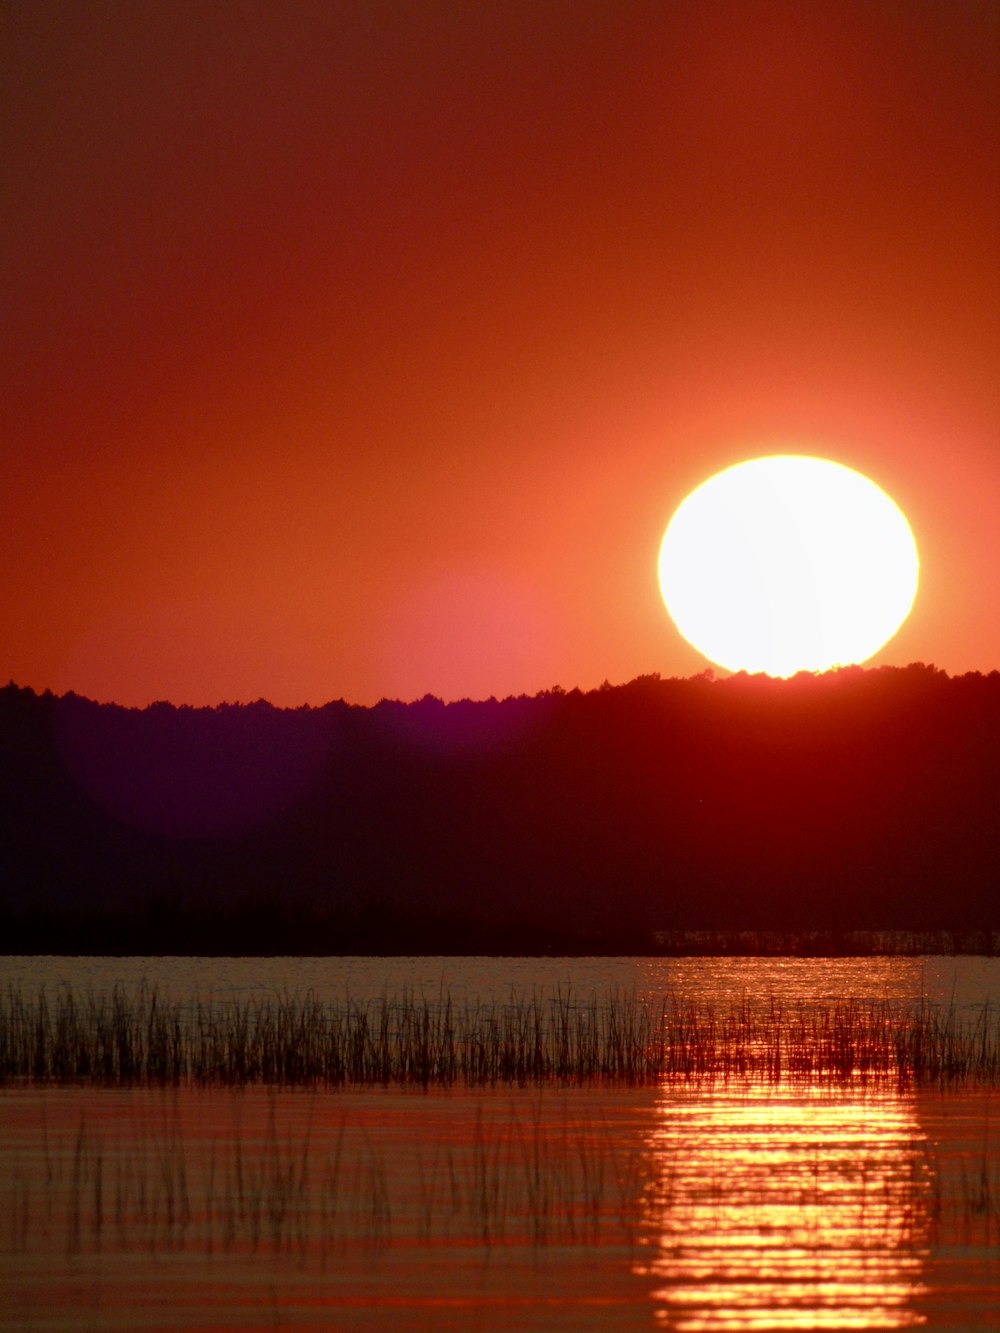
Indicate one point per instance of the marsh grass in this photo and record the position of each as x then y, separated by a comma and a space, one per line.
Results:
542, 1174
139, 1038
531, 1179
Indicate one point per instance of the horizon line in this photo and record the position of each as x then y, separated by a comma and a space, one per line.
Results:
708, 676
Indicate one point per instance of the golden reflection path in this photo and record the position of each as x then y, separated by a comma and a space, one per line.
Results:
787, 1208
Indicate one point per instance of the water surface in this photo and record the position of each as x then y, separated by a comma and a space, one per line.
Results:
966, 980
689, 1205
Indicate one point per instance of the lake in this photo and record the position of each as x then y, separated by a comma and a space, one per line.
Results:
842, 1193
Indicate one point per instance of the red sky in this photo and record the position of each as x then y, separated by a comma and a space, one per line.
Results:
365, 349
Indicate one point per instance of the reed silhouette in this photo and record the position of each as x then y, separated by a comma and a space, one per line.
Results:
138, 1038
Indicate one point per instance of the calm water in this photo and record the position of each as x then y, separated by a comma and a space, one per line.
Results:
966, 980
686, 1206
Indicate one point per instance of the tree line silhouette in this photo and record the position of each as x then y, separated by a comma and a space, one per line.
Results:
600, 821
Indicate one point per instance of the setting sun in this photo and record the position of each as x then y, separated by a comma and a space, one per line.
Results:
788, 563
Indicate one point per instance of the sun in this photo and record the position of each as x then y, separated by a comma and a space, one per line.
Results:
788, 563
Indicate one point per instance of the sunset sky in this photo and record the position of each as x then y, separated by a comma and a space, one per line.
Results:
365, 349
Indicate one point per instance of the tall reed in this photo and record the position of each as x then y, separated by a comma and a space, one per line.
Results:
140, 1038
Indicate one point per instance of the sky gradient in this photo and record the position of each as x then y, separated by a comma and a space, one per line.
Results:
362, 350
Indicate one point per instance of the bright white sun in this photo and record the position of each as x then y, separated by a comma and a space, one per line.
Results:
786, 564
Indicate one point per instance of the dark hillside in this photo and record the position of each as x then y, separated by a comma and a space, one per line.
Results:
858, 800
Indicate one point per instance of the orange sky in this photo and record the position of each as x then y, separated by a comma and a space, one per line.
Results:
361, 349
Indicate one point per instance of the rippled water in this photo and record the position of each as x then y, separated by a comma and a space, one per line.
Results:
790, 1206
686, 1206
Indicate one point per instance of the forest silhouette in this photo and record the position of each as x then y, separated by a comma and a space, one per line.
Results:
635, 818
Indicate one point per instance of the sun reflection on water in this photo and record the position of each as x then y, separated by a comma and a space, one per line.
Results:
787, 1208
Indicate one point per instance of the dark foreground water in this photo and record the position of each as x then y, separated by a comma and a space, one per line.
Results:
691, 1204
